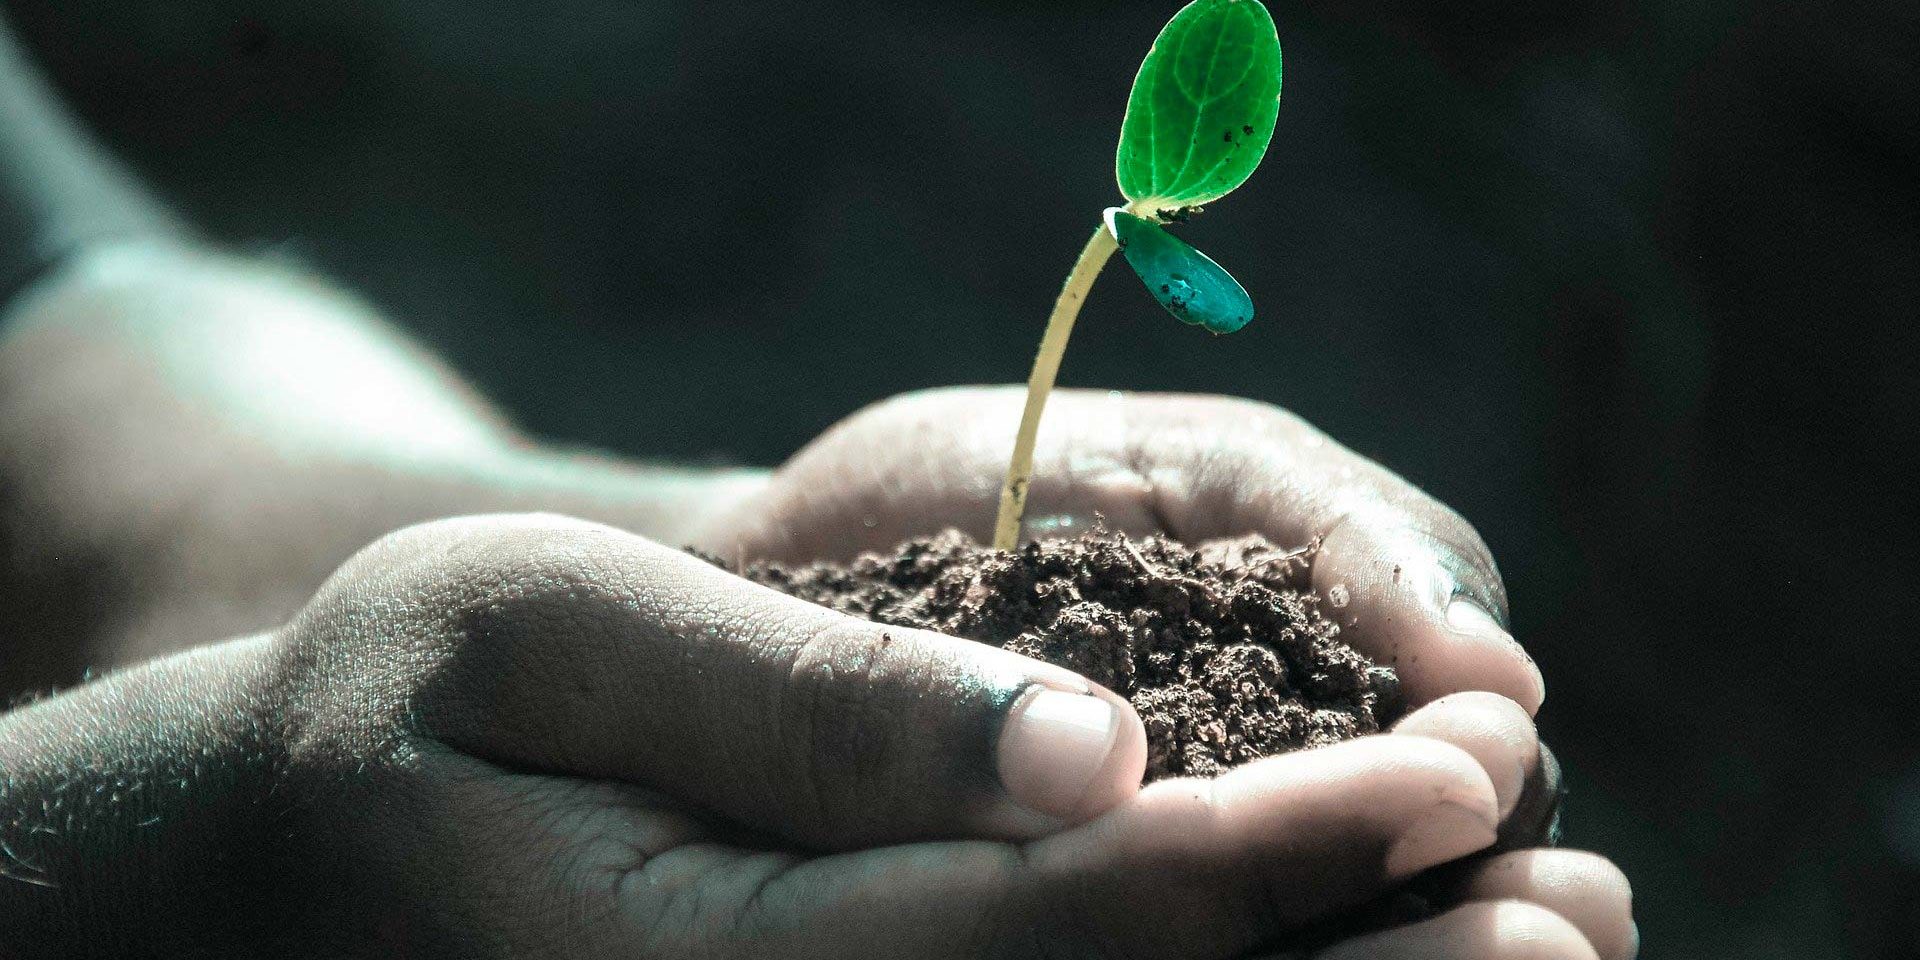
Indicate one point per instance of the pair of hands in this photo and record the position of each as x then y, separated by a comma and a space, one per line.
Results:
530, 736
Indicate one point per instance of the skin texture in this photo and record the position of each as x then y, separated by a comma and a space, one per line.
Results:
466, 694
1410, 581
538, 735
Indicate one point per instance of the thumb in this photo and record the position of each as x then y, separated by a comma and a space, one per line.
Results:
603, 654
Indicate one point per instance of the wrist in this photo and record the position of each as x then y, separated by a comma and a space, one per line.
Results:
137, 811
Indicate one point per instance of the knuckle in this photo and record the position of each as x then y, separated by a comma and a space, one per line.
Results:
519, 571
516, 545
394, 619
467, 552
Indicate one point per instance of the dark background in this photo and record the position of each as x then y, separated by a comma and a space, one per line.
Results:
1626, 281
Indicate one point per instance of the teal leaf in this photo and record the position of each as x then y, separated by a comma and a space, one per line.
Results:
1187, 282
1203, 106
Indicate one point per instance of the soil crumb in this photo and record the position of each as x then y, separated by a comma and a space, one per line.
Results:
1222, 648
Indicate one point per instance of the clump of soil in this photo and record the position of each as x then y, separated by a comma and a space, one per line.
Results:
1221, 648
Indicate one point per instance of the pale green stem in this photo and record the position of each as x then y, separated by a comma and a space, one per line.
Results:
1046, 367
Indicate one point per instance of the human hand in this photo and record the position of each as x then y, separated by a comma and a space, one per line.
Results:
534, 737
1411, 582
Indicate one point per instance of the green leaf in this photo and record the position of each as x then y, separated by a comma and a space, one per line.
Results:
1187, 282
1203, 106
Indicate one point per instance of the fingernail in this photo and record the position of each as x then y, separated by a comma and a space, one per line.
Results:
1466, 616
1053, 747
1448, 832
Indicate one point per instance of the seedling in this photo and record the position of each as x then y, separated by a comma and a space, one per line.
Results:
1198, 122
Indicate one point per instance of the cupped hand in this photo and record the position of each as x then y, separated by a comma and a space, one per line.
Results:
537, 737
1408, 580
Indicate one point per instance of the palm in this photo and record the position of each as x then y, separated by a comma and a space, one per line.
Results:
1189, 467
823, 788
1186, 869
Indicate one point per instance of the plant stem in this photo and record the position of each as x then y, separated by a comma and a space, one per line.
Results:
1046, 367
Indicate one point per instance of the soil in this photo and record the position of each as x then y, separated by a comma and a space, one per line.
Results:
1221, 647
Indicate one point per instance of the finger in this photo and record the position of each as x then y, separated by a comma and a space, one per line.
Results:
1409, 581
1490, 728
1266, 847
1186, 869
1502, 737
1427, 606
1504, 930
1535, 820
1585, 889
586, 650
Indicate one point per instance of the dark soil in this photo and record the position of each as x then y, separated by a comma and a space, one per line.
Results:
1222, 648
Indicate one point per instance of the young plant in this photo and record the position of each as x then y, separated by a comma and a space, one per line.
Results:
1198, 122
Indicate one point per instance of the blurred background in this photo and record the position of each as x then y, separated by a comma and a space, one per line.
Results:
1628, 282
